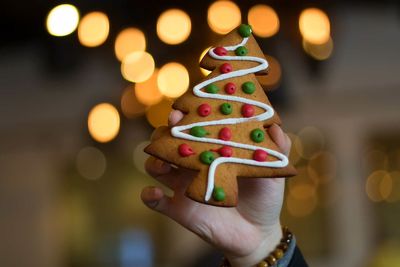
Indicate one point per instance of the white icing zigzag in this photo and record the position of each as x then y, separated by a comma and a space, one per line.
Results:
177, 131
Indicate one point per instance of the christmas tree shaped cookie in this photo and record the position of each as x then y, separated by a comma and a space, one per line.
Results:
223, 133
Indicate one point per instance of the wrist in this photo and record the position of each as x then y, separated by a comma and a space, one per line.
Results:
269, 242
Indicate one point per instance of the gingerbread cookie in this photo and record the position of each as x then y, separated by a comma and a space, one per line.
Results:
222, 135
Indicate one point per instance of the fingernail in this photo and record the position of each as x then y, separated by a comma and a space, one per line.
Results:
152, 204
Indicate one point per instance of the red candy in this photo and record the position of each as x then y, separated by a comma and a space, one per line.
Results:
230, 88
185, 150
225, 134
247, 110
204, 110
260, 155
220, 51
225, 151
225, 68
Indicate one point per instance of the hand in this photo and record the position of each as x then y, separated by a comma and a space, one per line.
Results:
245, 234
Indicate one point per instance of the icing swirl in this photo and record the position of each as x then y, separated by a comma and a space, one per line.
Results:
177, 131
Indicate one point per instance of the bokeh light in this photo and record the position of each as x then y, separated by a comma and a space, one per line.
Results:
130, 105
137, 66
378, 185
103, 122
322, 167
320, 51
314, 26
129, 40
312, 141
147, 92
62, 20
204, 71
296, 149
223, 16
173, 79
157, 115
93, 29
394, 195
91, 163
301, 200
173, 26
263, 20
140, 157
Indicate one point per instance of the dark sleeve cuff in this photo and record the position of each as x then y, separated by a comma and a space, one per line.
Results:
297, 259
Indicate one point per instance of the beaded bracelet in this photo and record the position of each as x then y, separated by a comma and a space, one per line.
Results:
275, 255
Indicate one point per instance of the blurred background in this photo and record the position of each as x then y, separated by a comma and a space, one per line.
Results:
84, 83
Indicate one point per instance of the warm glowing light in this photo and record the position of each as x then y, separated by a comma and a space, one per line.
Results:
394, 195
296, 150
204, 71
301, 200
140, 157
147, 92
137, 66
263, 20
272, 80
130, 105
173, 80
62, 20
91, 163
93, 29
128, 41
173, 26
312, 141
157, 115
379, 185
314, 26
103, 122
223, 16
319, 52
322, 167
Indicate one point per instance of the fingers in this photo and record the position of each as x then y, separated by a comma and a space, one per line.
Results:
280, 138
176, 179
174, 117
155, 199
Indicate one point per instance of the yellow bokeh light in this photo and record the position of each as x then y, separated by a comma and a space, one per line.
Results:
129, 40
379, 185
223, 16
263, 20
147, 92
394, 195
173, 80
91, 163
204, 71
314, 26
157, 115
137, 66
301, 200
312, 141
93, 29
319, 52
173, 26
62, 20
103, 122
130, 105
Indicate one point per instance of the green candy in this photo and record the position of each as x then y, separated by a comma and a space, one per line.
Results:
241, 51
198, 131
212, 88
245, 30
207, 157
226, 108
219, 194
248, 87
257, 135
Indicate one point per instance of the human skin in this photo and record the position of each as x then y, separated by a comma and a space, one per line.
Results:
247, 233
